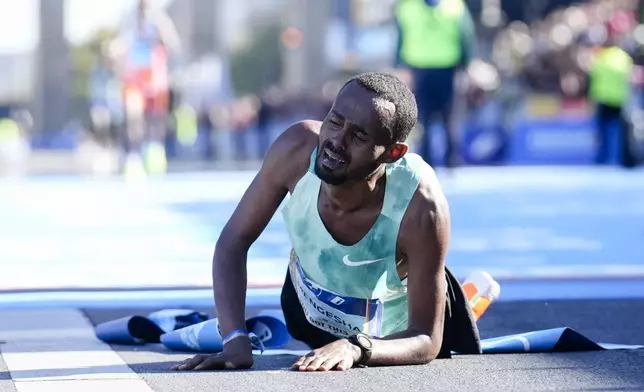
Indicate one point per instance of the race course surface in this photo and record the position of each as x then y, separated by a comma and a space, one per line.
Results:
603, 321
516, 223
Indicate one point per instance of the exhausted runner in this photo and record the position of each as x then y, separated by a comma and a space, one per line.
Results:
369, 226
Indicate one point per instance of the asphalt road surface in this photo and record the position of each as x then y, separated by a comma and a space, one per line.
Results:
602, 321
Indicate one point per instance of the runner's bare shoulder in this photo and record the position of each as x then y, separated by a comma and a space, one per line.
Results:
288, 158
429, 192
428, 210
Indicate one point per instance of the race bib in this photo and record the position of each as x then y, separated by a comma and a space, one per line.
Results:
339, 315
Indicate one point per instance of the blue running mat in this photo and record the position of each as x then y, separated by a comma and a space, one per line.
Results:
189, 330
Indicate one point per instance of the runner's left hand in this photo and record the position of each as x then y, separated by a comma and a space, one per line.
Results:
338, 355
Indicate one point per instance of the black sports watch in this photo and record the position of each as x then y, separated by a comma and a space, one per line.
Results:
363, 341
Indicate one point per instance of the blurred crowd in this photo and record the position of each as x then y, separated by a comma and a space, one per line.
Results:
139, 108
550, 56
553, 55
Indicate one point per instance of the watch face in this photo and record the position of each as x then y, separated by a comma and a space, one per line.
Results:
364, 341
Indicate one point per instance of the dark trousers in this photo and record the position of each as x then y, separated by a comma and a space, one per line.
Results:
607, 117
434, 91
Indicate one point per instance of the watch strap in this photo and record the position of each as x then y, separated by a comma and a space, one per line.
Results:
365, 352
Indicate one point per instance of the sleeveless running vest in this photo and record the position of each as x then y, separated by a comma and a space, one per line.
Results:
348, 289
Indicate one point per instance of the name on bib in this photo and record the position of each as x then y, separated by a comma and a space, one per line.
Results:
339, 315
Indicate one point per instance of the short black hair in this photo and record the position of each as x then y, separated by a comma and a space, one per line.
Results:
394, 90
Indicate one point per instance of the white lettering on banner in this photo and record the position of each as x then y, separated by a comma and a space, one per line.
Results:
334, 321
338, 300
576, 140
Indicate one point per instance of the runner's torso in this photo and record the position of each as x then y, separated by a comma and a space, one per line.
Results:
146, 58
345, 289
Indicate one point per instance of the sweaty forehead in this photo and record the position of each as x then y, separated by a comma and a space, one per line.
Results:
364, 108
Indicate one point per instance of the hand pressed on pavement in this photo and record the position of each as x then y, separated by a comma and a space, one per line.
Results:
338, 355
237, 354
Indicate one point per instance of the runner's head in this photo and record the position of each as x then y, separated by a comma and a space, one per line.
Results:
143, 7
366, 127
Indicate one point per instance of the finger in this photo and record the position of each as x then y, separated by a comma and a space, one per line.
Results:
196, 360
214, 362
298, 363
301, 361
343, 365
176, 366
311, 363
329, 364
316, 363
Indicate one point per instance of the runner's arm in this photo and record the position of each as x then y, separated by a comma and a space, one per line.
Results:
424, 242
254, 211
169, 34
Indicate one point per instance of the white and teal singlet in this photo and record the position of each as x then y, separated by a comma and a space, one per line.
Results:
348, 289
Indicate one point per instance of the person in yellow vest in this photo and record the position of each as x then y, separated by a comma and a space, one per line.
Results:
436, 38
609, 88
14, 148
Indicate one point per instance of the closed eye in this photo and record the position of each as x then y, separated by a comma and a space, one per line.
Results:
335, 122
360, 136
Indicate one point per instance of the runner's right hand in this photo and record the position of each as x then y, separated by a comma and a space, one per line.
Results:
237, 354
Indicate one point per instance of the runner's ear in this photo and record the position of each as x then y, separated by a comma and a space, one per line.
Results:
397, 151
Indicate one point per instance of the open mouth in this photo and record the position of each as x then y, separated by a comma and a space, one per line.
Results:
332, 160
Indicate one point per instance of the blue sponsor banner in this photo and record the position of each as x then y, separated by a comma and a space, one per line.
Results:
559, 141
484, 136
484, 144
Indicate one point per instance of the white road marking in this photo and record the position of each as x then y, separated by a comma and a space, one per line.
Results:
84, 386
56, 349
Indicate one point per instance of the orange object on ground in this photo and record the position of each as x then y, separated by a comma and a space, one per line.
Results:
481, 290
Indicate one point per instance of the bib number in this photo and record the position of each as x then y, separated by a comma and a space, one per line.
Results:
339, 315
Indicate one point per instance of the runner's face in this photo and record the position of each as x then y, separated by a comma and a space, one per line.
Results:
352, 137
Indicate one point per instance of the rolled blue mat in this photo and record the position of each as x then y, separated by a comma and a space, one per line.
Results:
188, 330
202, 337
139, 329
173, 319
129, 330
550, 340
205, 337
270, 330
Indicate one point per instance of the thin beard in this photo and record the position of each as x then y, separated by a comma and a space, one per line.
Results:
375, 171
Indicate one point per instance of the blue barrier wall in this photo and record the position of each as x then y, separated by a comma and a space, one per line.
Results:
559, 141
